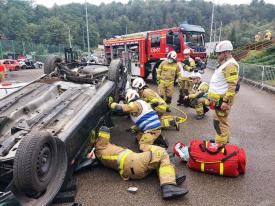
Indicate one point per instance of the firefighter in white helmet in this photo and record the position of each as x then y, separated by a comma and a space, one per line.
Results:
268, 35
167, 71
198, 95
132, 165
185, 82
222, 89
156, 102
147, 122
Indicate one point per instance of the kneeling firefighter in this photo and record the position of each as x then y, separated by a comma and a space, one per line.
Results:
185, 82
148, 126
156, 102
198, 96
133, 165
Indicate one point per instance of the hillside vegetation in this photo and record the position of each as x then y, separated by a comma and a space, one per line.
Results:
265, 57
21, 20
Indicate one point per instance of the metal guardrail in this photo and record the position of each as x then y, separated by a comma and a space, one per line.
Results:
259, 74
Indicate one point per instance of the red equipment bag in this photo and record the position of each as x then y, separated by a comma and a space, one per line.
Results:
220, 159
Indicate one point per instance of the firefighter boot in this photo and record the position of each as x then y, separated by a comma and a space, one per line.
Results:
168, 101
180, 100
200, 116
162, 142
172, 191
180, 178
205, 109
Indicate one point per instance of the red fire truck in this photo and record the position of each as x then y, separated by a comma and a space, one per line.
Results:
144, 51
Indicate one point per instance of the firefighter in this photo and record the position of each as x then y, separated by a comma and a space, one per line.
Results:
198, 96
268, 35
156, 102
147, 122
133, 165
167, 72
222, 89
185, 82
258, 37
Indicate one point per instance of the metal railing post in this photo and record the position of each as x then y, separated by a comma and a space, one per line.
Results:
262, 76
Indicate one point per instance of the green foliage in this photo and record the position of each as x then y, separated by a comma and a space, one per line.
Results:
266, 57
19, 20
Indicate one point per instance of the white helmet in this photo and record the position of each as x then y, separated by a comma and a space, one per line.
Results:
138, 83
172, 55
224, 46
186, 51
196, 75
131, 95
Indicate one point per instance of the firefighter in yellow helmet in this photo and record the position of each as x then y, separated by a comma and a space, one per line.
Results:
198, 96
147, 122
222, 89
185, 81
268, 35
156, 102
167, 71
133, 165
258, 37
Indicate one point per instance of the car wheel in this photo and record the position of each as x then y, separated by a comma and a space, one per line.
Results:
51, 63
24, 67
17, 68
36, 163
118, 74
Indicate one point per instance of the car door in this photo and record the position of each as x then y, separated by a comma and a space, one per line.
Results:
7, 64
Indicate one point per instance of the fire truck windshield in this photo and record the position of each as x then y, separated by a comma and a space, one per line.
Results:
194, 39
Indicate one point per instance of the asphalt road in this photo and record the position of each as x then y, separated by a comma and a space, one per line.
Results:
252, 123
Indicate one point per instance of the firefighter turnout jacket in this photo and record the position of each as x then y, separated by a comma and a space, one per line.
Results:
224, 82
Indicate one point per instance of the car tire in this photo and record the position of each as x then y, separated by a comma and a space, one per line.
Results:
51, 63
118, 74
24, 67
36, 161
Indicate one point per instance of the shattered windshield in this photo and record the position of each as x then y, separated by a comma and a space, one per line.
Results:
194, 39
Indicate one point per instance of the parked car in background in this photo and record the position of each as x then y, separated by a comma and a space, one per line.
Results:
10, 64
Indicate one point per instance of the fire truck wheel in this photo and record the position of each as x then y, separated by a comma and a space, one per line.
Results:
51, 63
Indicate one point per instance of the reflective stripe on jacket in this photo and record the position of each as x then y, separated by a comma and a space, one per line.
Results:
148, 119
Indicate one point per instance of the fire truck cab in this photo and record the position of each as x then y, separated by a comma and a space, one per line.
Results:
143, 52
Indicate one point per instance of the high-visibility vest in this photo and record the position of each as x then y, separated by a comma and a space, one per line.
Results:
218, 84
148, 119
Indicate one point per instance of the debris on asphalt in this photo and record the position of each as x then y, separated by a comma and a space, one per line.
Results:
132, 189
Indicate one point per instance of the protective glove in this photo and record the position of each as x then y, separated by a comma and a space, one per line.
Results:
112, 106
131, 130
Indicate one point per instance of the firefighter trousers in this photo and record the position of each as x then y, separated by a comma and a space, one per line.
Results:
221, 125
166, 91
133, 165
199, 104
147, 138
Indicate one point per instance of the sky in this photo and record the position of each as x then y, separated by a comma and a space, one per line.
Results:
50, 3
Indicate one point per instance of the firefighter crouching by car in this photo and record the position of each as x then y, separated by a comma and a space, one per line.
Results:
185, 82
198, 96
133, 165
166, 74
222, 89
147, 122
156, 102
